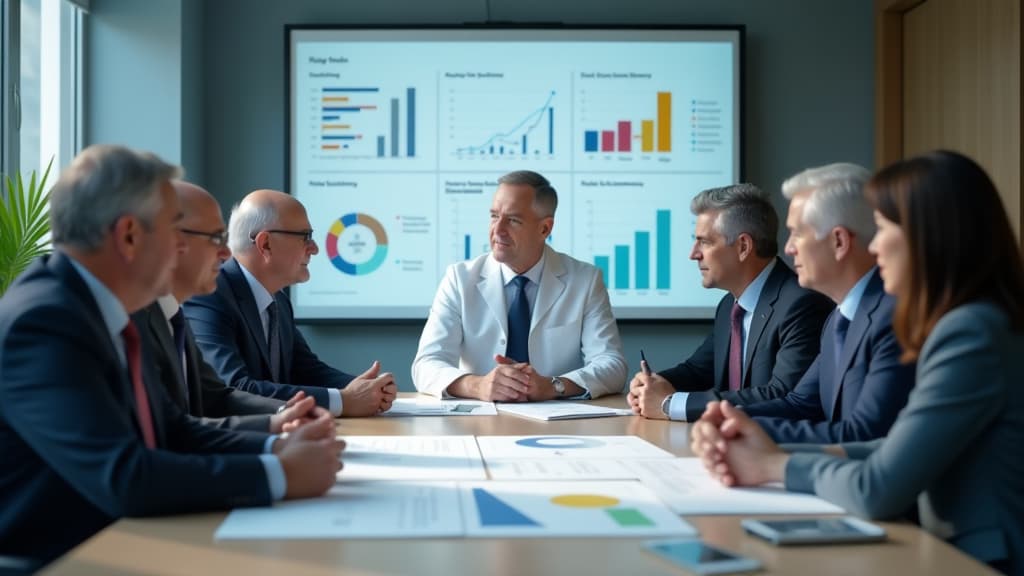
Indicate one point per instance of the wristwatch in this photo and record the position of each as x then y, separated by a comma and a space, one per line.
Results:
559, 386
665, 404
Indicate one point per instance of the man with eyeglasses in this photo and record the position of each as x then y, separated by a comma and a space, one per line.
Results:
246, 329
190, 382
86, 433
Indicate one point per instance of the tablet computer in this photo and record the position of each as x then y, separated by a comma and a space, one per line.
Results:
815, 530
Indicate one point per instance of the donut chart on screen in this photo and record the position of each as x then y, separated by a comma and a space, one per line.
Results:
338, 229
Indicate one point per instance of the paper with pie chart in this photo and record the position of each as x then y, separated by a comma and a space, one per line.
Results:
534, 509
568, 447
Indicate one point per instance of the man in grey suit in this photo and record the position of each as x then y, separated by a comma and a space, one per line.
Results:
190, 382
857, 385
767, 327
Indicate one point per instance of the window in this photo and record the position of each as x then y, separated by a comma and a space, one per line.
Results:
42, 103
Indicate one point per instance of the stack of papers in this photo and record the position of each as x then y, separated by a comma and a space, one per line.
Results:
559, 410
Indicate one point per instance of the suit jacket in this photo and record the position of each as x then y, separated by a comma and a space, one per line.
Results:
230, 335
955, 448
72, 449
572, 331
864, 401
209, 397
783, 341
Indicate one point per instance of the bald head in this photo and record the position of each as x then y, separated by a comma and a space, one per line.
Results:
269, 235
194, 201
260, 210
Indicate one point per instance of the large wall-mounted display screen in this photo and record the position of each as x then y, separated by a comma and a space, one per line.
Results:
397, 138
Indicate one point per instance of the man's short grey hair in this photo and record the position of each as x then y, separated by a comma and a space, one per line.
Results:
836, 199
545, 199
741, 208
104, 183
247, 220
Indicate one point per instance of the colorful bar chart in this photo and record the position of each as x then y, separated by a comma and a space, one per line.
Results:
632, 264
342, 108
655, 135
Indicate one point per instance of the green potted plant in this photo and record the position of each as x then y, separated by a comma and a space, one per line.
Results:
24, 225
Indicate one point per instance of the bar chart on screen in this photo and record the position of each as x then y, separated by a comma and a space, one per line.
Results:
349, 115
638, 237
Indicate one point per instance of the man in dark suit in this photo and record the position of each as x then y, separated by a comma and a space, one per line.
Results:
190, 382
767, 327
857, 386
246, 329
85, 437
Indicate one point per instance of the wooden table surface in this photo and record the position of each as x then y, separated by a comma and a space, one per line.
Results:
185, 545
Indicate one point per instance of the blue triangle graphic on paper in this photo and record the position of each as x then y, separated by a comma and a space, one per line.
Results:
494, 512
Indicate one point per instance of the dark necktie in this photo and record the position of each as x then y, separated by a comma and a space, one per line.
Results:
842, 325
273, 342
133, 354
518, 348
736, 347
178, 326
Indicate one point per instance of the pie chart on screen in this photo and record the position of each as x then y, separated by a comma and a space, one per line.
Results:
356, 244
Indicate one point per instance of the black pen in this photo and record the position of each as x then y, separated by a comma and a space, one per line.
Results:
644, 366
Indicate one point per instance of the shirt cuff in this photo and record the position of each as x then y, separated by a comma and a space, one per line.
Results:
677, 406
275, 475
268, 445
335, 404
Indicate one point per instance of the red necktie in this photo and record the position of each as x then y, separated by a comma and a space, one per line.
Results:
736, 348
134, 355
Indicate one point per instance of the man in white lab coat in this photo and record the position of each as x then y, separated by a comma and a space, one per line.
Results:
524, 322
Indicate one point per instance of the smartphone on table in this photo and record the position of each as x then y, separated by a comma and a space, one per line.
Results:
700, 558
845, 529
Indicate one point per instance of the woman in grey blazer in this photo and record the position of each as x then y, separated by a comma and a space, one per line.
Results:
946, 251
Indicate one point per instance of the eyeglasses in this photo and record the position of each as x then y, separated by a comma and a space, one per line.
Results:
306, 235
215, 238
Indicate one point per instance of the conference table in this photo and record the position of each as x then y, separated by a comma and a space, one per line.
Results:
185, 544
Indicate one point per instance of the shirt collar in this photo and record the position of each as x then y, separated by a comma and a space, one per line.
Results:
259, 293
748, 300
848, 307
534, 273
168, 305
115, 317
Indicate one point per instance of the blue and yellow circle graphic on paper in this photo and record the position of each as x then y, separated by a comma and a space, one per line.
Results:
356, 244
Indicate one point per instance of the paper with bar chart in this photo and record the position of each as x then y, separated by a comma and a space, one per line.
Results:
627, 131
545, 509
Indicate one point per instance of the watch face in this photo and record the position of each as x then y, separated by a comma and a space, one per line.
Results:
558, 386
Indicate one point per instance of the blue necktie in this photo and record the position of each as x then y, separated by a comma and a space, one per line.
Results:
178, 326
842, 325
519, 323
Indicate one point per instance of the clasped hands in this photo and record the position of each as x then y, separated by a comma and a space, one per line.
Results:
734, 448
510, 381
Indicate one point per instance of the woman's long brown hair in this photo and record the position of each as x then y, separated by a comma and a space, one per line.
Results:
961, 246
